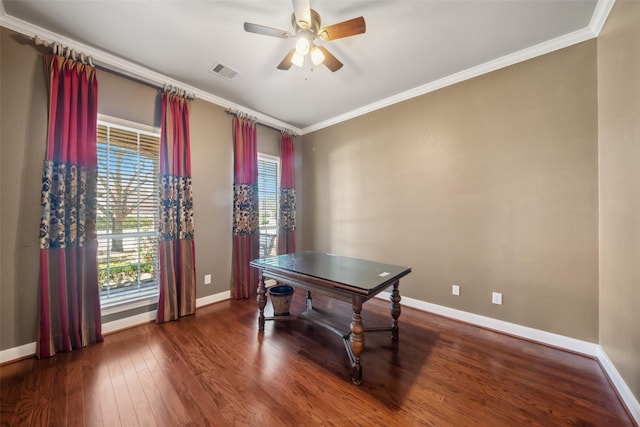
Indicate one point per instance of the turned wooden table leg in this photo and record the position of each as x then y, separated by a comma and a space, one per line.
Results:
262, 302
395, 310
357, 341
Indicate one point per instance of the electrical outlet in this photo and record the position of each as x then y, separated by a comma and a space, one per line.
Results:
496, 298
455, 290
207, 279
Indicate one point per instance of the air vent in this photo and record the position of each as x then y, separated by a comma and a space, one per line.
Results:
223, 71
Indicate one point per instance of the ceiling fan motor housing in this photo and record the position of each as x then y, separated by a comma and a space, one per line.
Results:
314, 26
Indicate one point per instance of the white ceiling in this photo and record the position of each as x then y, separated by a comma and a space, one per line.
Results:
409, 48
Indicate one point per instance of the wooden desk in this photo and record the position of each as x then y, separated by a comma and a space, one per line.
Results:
347, 279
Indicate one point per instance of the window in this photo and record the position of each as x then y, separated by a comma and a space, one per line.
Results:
268, 182
127, 213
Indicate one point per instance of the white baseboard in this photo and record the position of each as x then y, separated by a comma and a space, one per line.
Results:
623, 390
210, 299
129, 322
561, 341
15, 353
29, 349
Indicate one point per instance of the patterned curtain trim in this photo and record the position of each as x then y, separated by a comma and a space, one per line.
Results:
245, 209
287, 213
68, 205
176, 208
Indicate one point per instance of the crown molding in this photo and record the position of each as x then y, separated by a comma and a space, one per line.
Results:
600, 15
520, 56
122, 66
127, 68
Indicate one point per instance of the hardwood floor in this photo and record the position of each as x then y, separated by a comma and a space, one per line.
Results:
215, 369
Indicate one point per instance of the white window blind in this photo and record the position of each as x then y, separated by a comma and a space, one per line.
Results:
127, 213
268, 182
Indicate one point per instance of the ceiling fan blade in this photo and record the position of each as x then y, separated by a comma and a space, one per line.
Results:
285, 64
265, 31
330, 61
302, 12
343, 29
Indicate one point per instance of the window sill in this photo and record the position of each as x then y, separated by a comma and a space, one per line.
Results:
128, 302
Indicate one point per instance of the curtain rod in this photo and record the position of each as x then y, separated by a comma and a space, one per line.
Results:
240, 114
66, 51
125, 68
62, 50
179, 92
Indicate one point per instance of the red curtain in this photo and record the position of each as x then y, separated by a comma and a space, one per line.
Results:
287, 212
246, 237
176, 249
69, 301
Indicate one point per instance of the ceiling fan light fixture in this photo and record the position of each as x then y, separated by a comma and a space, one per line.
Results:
297, 59
303, 45
317, 57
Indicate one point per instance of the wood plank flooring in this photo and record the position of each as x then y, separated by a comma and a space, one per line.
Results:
214, 369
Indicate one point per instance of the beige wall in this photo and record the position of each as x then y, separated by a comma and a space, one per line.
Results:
23, 110
490, 184
23, 132
619, 167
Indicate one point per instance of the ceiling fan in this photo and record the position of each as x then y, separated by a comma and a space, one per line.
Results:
307, 29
